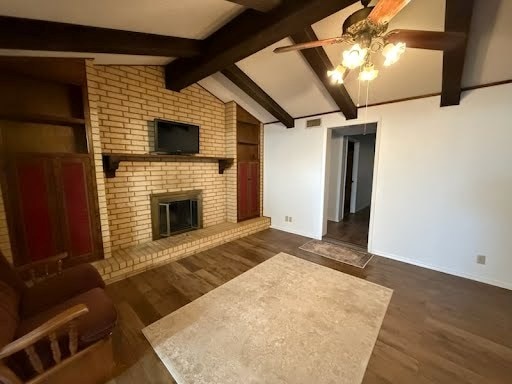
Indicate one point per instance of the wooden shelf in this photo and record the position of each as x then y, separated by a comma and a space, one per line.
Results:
111, 160
247, 143
42, 119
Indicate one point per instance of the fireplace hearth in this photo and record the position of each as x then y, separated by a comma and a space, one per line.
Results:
175, 212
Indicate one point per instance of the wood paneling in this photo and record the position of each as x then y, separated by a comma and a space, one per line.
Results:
23, 95
57, 69
438, 328
42, 138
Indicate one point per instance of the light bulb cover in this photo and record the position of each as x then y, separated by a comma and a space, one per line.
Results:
336, 74
392, 53
354, 57
368, 73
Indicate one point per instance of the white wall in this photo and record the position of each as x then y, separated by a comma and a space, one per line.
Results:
293, 178
442, 185
335, 178
365, 171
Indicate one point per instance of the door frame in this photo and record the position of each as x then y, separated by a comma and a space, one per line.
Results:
355, 169
376, 163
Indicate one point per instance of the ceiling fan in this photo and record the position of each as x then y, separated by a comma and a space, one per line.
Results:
366, 30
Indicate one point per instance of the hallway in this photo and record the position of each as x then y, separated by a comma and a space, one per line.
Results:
353, 229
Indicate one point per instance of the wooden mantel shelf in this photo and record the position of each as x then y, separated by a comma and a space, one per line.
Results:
111, 160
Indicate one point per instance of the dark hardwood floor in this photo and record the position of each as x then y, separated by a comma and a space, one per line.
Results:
352, 229
438, 328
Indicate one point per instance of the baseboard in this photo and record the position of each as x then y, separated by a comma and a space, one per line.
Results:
449, 271
293, 231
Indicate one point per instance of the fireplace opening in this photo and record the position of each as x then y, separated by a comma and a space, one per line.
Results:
176, 212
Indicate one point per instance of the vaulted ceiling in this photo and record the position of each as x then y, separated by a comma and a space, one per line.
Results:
286, 78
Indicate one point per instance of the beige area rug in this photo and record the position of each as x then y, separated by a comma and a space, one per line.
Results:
338, 252
287, 320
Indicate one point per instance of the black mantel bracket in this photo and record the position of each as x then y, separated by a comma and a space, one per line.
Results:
111, 160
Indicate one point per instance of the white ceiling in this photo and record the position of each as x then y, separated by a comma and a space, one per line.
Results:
287, 77
194, 19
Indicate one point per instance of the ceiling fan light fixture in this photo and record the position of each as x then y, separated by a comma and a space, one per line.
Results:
368, 73
392, 53
354, 57
336, 74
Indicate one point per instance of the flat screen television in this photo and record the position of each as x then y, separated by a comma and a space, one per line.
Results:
176, 138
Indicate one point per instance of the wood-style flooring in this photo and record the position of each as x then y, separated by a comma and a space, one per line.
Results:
438, 328
352, 229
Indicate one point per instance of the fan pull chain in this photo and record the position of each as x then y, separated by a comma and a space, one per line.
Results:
366, 109
358, 88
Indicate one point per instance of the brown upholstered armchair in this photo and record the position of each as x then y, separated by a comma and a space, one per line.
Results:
58, 329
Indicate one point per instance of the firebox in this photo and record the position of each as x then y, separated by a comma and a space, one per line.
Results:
175, 212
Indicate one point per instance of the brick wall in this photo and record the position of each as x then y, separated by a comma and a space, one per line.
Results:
126, 100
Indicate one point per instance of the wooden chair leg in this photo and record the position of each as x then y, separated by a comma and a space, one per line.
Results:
7, 376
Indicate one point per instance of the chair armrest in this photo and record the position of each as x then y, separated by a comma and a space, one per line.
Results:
44, 330
33, 267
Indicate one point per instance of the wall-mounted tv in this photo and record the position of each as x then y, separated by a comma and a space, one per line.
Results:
176, 138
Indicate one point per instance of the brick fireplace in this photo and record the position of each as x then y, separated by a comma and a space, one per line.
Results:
124, 101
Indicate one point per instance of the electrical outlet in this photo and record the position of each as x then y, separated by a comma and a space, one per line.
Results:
290, 219
481, 259
286, 218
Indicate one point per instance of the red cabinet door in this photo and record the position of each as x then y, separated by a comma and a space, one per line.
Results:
52, 208
248, 190
254, 189
72, 178
34, 206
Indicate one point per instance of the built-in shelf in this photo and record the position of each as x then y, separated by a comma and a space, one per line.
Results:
111, 160
42, 119
246, 143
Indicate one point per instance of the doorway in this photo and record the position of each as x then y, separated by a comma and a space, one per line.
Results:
349, 180
352, 155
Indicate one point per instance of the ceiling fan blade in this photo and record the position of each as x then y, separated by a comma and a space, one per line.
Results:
310, 44
440, 41
385, 10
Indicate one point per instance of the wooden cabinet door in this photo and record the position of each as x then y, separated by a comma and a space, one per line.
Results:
243, 189
248, 190
34, 209
73, 182
52, 208
254, 189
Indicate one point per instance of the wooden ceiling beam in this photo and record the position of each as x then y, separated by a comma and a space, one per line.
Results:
258, 5
320, 63
245, 83
247, 34
18, 33
457, 19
